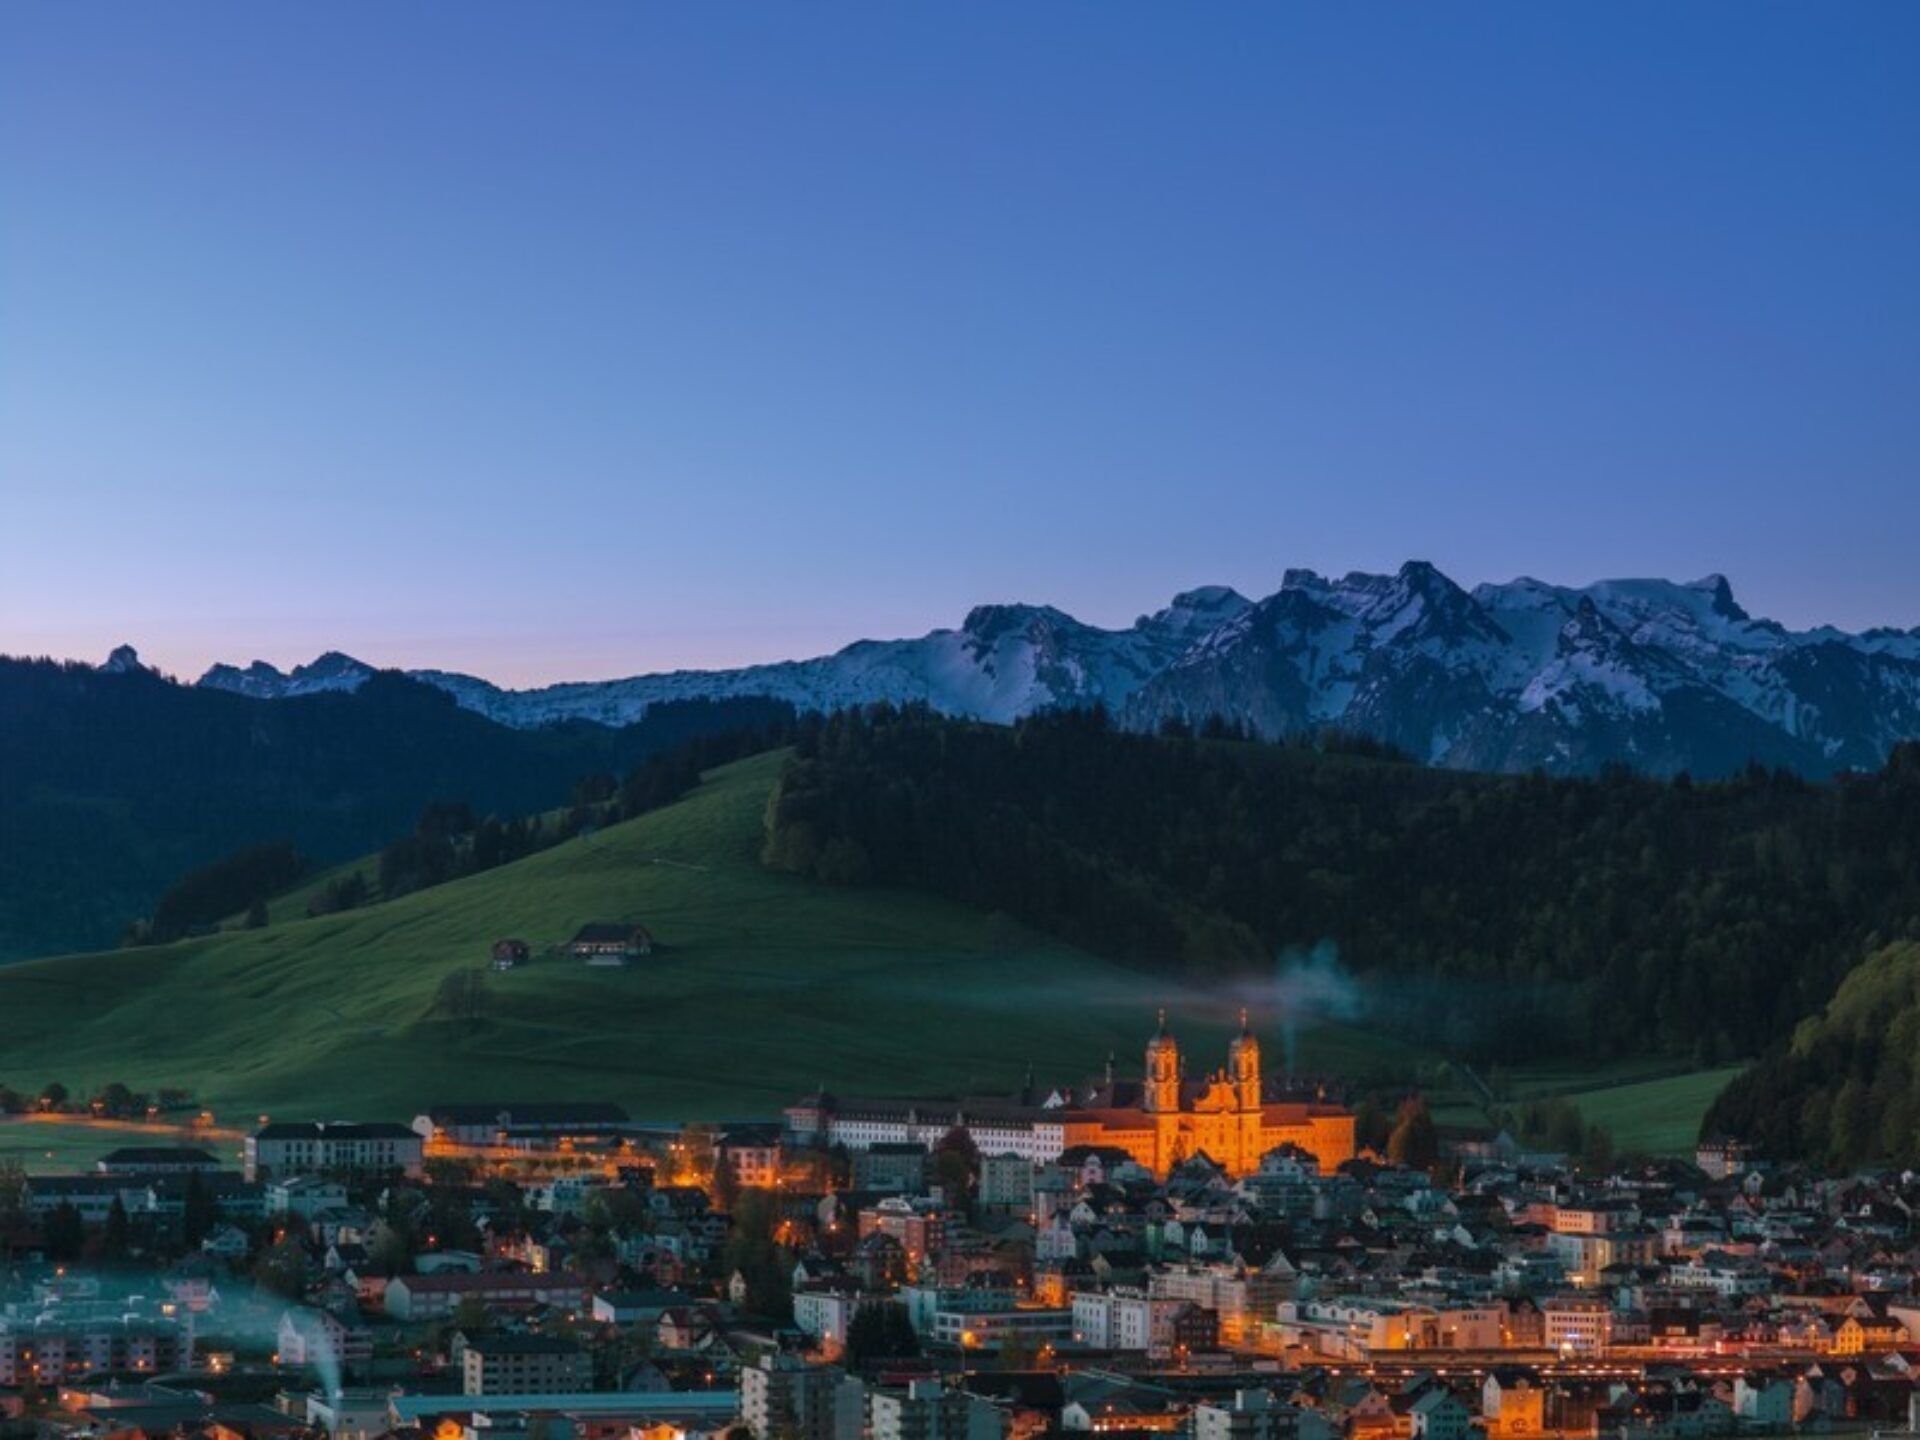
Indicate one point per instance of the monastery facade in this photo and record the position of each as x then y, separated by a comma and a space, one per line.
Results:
1160, 1121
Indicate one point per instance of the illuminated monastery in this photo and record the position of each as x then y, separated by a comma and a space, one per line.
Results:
1161, 1120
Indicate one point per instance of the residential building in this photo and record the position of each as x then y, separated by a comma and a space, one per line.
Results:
510, 954
900, 1167
928, 1410
1513, 1403
1573, 1325
989, 1329
1257, 1415
432, 1297
321, 1338
782, 1395
610, 943
499, 1124
91, 1196
918, 1226
1223, 1289
1359, 1327
304, 1195
1438, 1414
1125, 1319
156, 1160
635, 1307
284, 1148
511, 1364
752, 1152
826, 1314
1006, 1183
51, 1349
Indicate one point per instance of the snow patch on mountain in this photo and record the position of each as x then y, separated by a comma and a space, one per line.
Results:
1526, 673
330, 672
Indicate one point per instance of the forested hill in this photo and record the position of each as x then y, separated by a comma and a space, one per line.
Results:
115, 783
1502, 916
1846, 1091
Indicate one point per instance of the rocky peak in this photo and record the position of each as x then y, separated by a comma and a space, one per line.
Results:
1194, 613
989, 624
1724, 605
331, 665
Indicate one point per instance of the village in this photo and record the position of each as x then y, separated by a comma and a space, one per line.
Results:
1210, 1257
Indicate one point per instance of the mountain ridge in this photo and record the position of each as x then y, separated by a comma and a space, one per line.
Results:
1660, 675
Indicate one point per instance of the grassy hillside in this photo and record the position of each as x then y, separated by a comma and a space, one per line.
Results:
44, 1146
113, 786
765, 984
1846, 1091
1658, 1117
1643, 1103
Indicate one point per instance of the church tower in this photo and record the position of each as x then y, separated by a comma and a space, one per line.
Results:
1161, 1095
1249, 1120
1243, 1067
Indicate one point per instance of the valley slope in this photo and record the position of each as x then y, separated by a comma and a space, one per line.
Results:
763, 986
115, 782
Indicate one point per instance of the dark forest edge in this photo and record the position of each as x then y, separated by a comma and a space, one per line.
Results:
449, 841
115, 785
1504, 918
1845, 1091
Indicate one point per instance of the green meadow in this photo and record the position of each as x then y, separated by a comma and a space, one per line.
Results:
1655, 1117
763, 985
52, 1147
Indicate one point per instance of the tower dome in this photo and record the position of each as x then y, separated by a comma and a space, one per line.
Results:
1162, 1037
1162, 1091
1243, 1065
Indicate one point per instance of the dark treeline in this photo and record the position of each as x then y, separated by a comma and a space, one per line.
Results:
206, 896
1846, 1090
448, 842
1501, 916
114, 785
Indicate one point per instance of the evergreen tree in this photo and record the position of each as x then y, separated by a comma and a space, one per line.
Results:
199, 1212
751, 1250
282, 1268
1414, 1141
956, 1168
64, 1232
880, 1331
1371, 1127
724, 1191
116, 1238
1596, 1155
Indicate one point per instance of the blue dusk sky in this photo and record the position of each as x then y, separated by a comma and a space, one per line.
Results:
563, 341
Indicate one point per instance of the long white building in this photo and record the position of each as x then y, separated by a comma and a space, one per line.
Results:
284, 1149
1035, 1133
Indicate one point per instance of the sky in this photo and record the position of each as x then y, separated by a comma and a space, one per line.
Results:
558, 342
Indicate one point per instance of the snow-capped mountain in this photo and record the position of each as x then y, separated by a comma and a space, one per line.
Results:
1003, 662
1649, 673
332, 671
